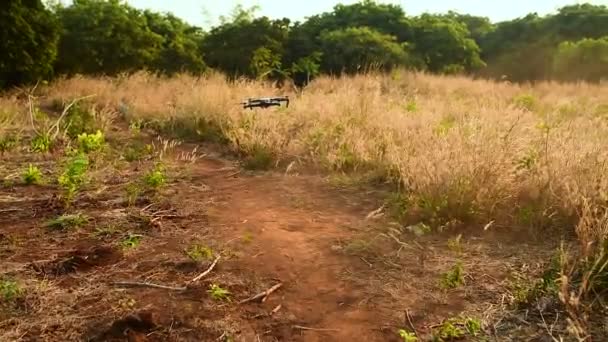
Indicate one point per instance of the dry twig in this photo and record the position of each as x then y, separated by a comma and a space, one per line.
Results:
262, 295
312, 329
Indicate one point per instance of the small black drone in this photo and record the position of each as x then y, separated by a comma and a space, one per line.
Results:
265, 102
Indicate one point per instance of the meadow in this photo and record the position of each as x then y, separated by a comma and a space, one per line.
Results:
525, 163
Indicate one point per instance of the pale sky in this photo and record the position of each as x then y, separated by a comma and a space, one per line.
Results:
194, 11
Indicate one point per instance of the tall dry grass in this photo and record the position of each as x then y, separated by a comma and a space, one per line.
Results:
464, 149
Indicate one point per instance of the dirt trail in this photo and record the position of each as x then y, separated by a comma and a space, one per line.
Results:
287, 227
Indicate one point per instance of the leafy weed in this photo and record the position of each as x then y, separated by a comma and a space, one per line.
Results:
32, 175
67, 222
218, 293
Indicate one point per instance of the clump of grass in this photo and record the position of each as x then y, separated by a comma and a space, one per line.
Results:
525, 101
73, 176
258, 157
67, 222
41, 143
198, 253
458, 328
106, 231
407, 336
10, 290
218, 293
454, 244
32, 175
7, 143
88, 143
133, 191
156, 178
453, 278
131, 241
78, 120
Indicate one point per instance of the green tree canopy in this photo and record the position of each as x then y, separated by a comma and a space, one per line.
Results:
28, 41
444, 44
181, 47
231, 47
584, 60
105, 37
355, 49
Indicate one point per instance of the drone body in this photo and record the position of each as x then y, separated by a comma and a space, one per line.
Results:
265, 102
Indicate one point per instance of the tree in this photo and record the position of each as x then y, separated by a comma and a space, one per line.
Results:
305, 38
584, 60
105, 37
445, 44
305, 68
181, 47
355, 49
231, 47
28, 41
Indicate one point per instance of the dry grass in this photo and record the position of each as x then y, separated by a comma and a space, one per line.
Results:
473, 151
478, 150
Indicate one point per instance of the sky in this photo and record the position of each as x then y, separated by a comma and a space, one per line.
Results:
204, 13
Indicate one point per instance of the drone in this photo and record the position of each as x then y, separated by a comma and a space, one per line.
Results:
265, 102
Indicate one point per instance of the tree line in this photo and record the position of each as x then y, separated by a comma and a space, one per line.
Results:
108, 37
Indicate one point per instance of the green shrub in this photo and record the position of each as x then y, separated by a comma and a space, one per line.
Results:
67, 222
74, 175
156, 177
454, 277
10, 290
41, 143
79, 120
91, 142
32, 175
7, 143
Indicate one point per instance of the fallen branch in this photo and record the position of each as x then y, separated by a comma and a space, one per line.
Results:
152, 285
166, 287
312, 329
275, 310
262, 295
64, 113
409, 320
200, 276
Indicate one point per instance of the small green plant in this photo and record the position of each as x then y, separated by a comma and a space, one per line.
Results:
525, 101
247, 237
454, 277
7, 143
79, 120
42, 143
407, 336
135, 126
445, 125
448, 331
10, 290
454, 244
73, 176
218, 293
259, 158
133, 192
198, 253
67, 222
458, 328
131, 241
106, 231
473, 326
91, 142
156, 177
32, 175
411, 106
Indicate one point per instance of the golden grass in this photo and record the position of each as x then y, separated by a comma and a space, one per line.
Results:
475, 150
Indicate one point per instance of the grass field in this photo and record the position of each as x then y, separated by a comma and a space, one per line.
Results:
492, 196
